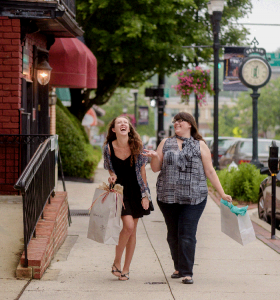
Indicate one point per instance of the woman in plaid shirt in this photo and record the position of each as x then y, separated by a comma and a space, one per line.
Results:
184, 162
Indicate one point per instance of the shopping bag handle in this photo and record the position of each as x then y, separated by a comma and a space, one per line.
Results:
234, 209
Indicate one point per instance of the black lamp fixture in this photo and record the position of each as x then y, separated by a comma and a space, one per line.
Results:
43, 70
215, 10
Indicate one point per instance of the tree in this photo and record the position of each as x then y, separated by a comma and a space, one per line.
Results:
228, 121
241, 115
121, 99
135, 39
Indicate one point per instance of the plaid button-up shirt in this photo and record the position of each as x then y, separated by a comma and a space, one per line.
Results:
140, 161
182, 180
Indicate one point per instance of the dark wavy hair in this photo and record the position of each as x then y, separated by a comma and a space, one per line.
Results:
190, 119
134, 139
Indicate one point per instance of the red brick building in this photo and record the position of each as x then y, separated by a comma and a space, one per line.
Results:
28, 30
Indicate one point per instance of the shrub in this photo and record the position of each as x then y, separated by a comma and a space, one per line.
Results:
242, 183
74, 120
79, 159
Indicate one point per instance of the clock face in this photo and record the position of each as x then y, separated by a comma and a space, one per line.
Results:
255, 72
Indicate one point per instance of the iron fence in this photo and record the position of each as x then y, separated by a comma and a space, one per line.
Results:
15, 153
36, 184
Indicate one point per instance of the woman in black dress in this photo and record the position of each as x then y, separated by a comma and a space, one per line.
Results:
126, 165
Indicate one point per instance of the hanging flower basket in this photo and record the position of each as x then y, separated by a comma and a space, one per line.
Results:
195, 81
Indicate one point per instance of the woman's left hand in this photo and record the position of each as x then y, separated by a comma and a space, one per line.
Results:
145, 203
226, 197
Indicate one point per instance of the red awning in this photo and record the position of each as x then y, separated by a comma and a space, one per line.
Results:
74, 65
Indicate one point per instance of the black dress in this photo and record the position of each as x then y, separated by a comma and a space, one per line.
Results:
126, 176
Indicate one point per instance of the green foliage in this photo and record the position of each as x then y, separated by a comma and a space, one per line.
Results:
237, 120
123, 99
79, 159
243, 183
268, 109
133, 40
74, 120
229, 122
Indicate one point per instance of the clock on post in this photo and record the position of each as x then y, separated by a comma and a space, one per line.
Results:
255, 72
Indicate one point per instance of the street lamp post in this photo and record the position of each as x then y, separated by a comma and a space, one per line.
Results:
135, 93
215, 9
161, 104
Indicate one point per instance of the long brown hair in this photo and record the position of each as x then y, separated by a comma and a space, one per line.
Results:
190, 119
134, 140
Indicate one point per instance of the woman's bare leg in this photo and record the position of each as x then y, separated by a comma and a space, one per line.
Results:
127, 230
129, 251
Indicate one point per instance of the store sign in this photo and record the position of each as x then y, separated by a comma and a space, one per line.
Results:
233, 57
143, 115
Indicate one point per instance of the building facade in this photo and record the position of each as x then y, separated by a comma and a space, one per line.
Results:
28, 29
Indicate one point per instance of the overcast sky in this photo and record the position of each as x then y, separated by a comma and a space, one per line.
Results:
265, 12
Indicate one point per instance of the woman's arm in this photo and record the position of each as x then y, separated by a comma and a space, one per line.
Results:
145, 201
210, 171
108, 164
157, 157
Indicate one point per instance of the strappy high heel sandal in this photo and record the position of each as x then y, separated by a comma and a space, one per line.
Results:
124, 275
116, 271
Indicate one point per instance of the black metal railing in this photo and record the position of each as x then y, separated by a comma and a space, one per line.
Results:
36, 184
15, 153
70, 5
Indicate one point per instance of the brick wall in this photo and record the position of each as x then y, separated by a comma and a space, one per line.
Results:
52, 119
50, 235
10, 97
10, 75
10, 93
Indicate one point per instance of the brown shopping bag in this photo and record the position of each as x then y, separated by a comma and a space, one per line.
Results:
104, 221
239, 228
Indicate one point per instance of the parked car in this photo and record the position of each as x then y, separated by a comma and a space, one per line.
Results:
208, 140
224, 142
264, 202
241, 152
152, 143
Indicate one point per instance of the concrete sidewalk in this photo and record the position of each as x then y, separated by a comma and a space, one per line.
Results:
223, 268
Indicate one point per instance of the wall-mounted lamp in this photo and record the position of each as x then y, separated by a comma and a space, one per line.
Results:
43, 71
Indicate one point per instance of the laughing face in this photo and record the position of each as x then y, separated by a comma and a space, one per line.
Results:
121, 126
181, 127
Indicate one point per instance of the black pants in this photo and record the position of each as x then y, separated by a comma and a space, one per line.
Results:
181, 221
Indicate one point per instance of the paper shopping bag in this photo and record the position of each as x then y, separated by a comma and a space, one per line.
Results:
239, 227
104, 221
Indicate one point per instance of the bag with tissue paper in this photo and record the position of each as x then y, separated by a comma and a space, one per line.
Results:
236, 223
